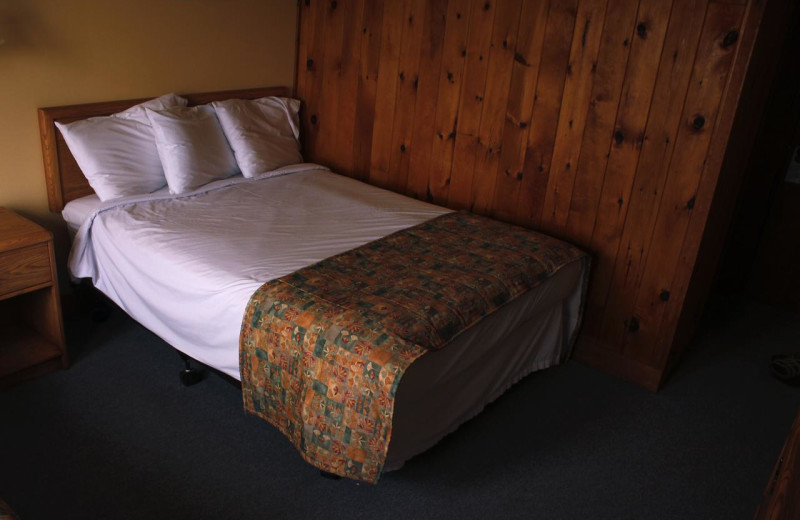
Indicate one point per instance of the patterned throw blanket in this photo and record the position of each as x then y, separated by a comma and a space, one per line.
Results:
322, 350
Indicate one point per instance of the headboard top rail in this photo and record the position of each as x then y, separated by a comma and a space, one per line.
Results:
65, 181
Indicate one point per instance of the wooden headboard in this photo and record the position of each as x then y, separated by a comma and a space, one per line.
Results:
65, 181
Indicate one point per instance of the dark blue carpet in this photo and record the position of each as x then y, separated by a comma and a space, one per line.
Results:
117, 436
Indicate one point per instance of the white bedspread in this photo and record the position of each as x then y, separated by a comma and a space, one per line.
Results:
185, 266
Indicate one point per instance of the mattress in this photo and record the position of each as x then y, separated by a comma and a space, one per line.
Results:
78, 210
185, 267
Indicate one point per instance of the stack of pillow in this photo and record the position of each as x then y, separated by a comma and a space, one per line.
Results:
164, 142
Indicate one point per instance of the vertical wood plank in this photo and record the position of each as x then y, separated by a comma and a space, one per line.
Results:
449, 95
598, 135
627, 142
386, 95
572, 118
546, 107
699, 117
344, 156
629, 131
313, 68
524, 73
402, 146
305, 40
427, 92
471, 103
703, 243
615, 279
371, 32
498, 81
328, 109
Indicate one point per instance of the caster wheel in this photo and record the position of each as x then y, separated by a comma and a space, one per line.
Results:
191, 376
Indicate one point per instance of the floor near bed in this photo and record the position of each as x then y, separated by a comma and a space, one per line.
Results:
117, 436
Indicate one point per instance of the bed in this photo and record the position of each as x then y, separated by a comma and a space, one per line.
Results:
185, 266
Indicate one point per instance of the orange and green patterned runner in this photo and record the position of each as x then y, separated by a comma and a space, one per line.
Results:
322, 350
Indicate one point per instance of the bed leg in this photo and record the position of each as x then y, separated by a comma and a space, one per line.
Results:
332, 476
189, 376
99, 308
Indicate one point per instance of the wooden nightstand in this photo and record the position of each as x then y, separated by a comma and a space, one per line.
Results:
31, 330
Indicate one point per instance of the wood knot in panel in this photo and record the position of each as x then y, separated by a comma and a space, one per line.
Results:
730, 39
633, 324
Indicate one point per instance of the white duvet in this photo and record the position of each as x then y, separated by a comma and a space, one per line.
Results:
185, 266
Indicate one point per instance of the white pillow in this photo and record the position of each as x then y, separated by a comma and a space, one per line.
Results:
117, 154
262, 132
138, 112
192, 147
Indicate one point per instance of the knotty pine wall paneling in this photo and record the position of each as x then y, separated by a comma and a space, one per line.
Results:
603, 122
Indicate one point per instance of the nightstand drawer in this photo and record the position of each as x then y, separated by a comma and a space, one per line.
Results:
23, 268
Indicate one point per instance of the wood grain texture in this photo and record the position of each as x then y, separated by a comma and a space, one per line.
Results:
781, 498
408, 76
369, 59
24, 269
581, 70
426, 84
471, 104
495, 104
521, 96
733, 139
679, 197
348, 92
30, 307
600, 133
594, 120
455, 30
386, 94
637, 165
544, 117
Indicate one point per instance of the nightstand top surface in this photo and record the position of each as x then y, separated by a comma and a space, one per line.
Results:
17, 231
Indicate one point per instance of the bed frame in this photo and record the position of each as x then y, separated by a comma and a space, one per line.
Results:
65, 181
